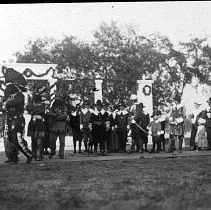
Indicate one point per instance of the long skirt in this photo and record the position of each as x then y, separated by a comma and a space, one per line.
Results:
201, 137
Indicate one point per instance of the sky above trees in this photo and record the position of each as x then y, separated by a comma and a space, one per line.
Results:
180, 21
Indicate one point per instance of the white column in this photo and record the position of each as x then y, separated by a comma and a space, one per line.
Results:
145, 98
2, 86
98, 94
52, 83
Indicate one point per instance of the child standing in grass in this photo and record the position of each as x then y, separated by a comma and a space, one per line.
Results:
156, 131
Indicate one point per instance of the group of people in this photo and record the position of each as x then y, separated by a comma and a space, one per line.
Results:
102, 128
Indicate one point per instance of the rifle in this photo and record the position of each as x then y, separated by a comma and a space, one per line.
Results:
141, 128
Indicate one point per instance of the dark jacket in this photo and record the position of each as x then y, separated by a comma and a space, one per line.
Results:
121, 121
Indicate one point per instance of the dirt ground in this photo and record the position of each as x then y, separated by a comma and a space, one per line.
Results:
161, 182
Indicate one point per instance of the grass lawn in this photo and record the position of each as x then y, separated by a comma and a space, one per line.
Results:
155, 183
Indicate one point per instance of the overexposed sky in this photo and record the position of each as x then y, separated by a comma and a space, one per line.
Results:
178, 20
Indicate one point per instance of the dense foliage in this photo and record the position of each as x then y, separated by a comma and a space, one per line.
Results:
121, 57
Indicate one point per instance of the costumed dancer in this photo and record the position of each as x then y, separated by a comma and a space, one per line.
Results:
36, 127
98, 124
15, 122
84, 126
75, 125
58, 124
122, 126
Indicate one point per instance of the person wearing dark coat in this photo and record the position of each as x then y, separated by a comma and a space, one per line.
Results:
84, 126
58, 124
141, 120
98, 121
36, 127
122, 126
207, 115
75, 125
133, 127
109, 126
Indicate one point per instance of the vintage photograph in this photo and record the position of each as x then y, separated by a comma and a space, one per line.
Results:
105, 106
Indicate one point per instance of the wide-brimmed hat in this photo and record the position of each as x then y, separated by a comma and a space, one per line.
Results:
99, 103
12, 76
95, 89
141, 105
77, 106
157, 112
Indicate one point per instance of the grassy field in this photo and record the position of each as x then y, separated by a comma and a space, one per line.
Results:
154, 183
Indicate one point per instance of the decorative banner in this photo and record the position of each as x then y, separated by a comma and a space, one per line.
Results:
29, 73
2, 87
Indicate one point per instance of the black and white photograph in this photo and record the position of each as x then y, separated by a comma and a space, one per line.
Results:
105, 106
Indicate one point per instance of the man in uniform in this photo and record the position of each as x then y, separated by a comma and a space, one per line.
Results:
58, 124
14, 105
141, 121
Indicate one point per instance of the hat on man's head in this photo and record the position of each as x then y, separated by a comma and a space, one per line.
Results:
78, 106
209, 100
12, 76
157, 112
95, 89
98, 103
141, 105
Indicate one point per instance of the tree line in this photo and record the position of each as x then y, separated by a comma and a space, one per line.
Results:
121, 57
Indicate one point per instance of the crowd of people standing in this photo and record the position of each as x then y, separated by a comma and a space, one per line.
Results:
103, 128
